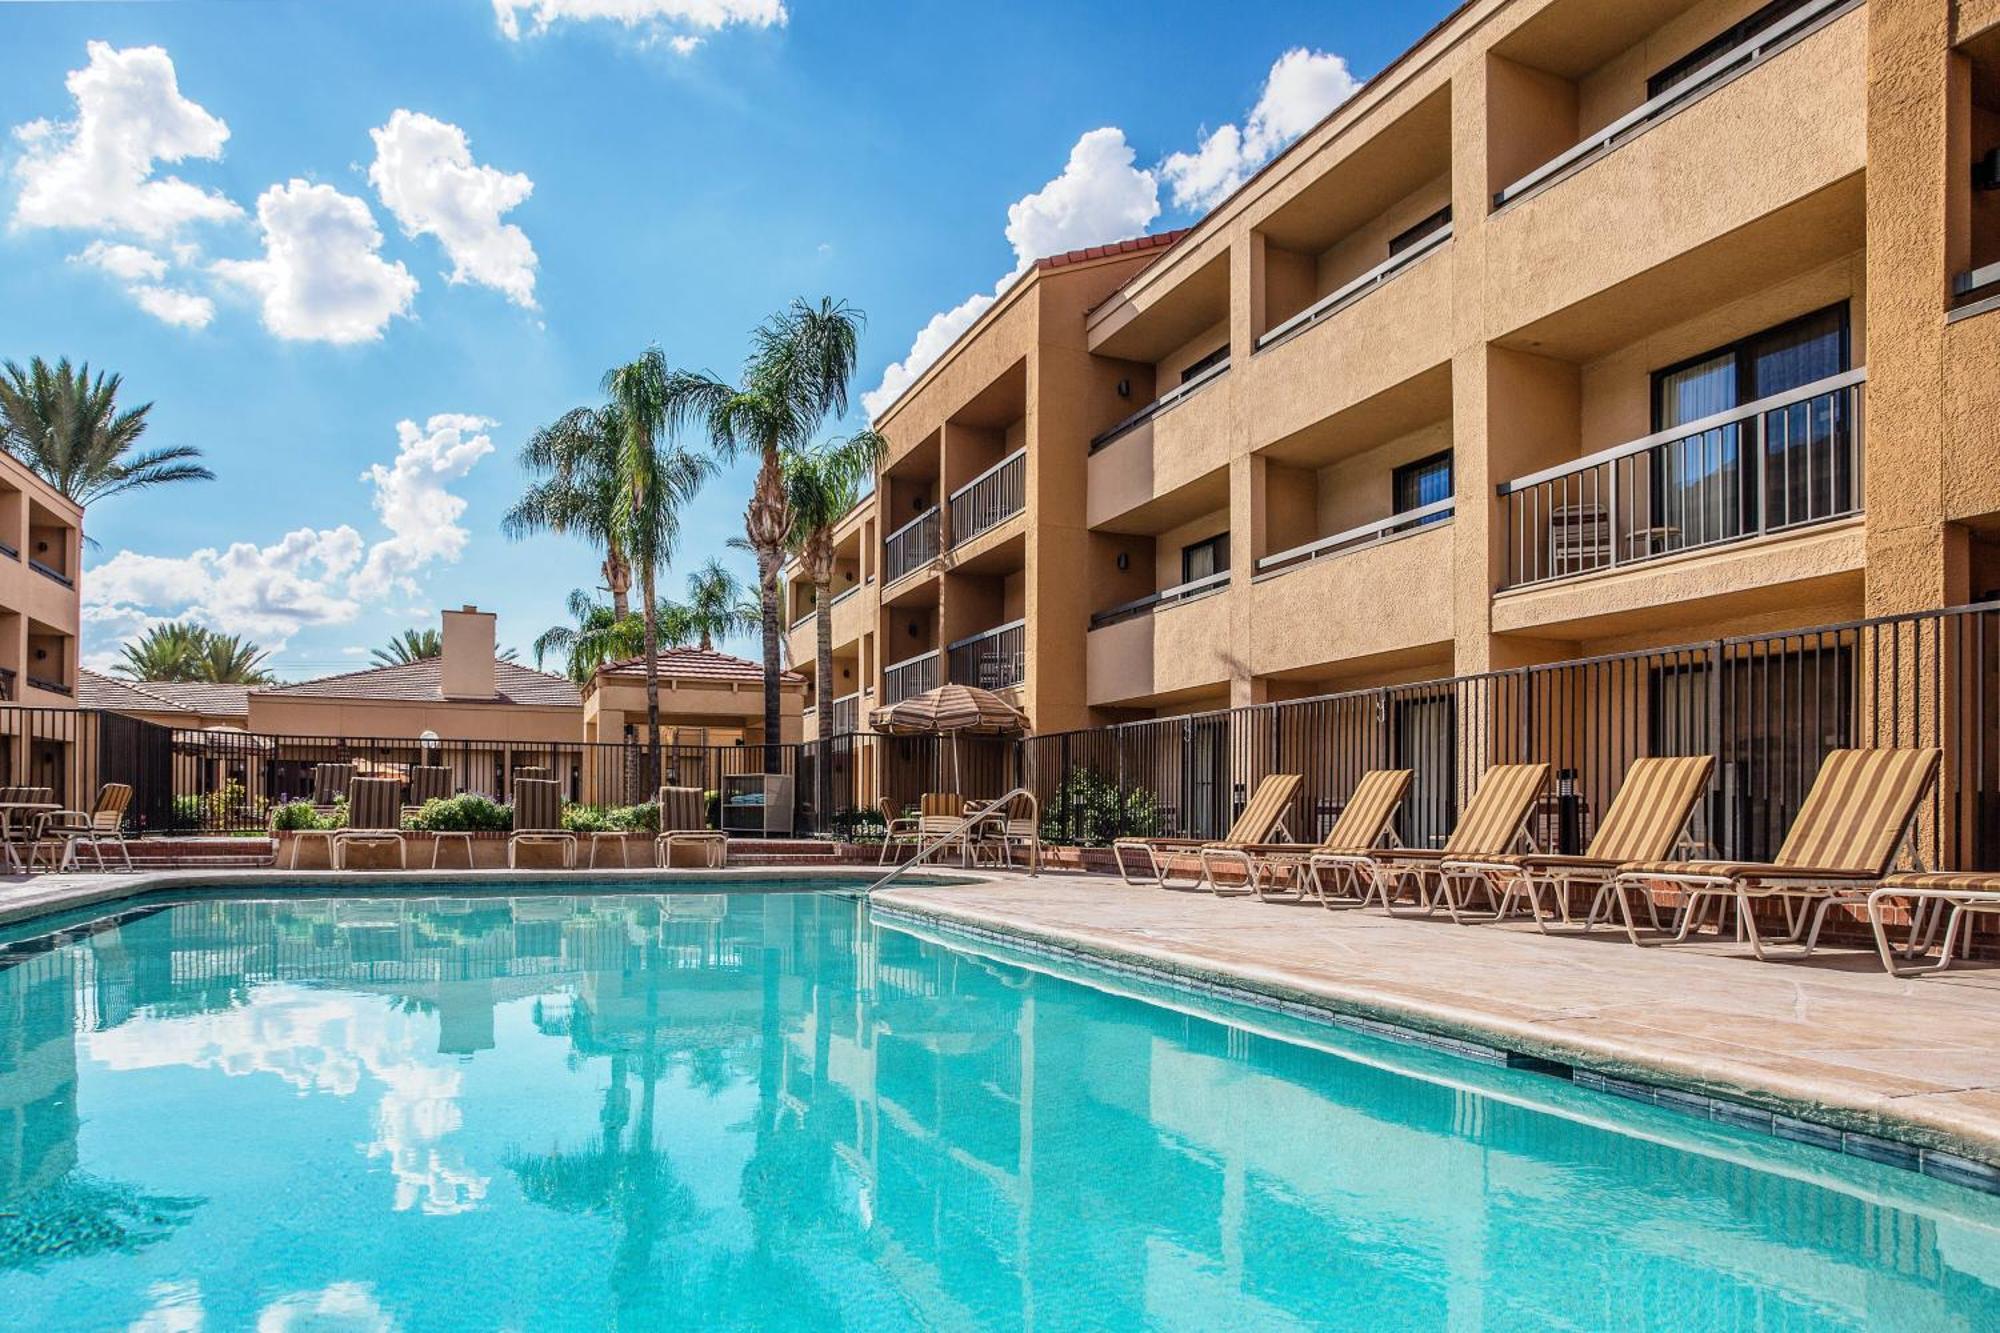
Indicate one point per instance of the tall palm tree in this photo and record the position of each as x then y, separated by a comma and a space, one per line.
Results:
601, 636
795, 378
821, 485
65, 425
658, 479
716, 606
577, 462
182, 652
414, 645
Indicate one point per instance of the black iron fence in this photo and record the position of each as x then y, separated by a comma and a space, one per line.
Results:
1769, 707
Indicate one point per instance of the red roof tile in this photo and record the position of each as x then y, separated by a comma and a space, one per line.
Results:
418, 682
95, 690
695, 664
1158, 240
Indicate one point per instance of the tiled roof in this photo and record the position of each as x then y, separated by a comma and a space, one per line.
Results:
695, 664
417, 682
1158, 240
95, 690
213, 700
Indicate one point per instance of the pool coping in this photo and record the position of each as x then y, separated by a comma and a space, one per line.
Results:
1855, 1127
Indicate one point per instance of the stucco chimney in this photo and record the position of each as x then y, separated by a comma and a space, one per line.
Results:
467, 668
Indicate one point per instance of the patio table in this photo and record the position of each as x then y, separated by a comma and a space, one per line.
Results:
8, 811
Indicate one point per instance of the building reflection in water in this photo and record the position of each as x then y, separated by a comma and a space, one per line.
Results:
938, 1136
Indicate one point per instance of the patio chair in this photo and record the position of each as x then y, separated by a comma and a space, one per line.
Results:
1968, 894
1364, 823
898, 830
1846, 838
538, 821
1647, 818
103, 822
940, 823
374, 818
19, 821
684, 823
1262, 818
1018, 823
1494, 823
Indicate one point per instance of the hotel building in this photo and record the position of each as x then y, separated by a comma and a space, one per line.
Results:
1581, 328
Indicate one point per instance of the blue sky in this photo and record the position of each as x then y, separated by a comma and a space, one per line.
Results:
194, 202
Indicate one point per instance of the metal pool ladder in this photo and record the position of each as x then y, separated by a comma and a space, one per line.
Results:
963, 827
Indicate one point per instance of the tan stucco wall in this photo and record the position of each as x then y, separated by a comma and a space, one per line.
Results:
39, 613
295, 715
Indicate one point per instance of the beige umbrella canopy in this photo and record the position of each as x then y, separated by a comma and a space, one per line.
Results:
951, 710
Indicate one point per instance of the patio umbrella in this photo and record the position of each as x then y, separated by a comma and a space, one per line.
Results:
951, 710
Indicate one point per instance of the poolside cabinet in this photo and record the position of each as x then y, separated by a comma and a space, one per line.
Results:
757, 804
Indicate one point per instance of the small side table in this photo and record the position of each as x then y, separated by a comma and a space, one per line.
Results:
624, 848
437, 845
299, 836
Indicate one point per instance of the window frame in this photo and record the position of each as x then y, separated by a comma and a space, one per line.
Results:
1415, 468
1664, 78
1219, 544
1410, 236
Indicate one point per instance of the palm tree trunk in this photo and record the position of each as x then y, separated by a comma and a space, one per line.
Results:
823, 698
652, 644
618, 578
766, 525
769, 589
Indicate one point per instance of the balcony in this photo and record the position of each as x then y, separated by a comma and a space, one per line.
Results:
43, 683
911, 547
846, 714
9, 690
1172, 398
50, 572
910, 677
1776, 465
1346, 295
1976, 290
1170, 648
1151, 602
1687, 87
1367, 534
990, 499
993, 660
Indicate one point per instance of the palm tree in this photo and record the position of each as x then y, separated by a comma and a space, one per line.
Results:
716, 606
414, 645
601, 636
796, 377
821, 485
64, 424
658, 479
578, 491
181, 652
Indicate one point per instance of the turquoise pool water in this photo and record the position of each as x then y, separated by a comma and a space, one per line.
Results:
766, 1111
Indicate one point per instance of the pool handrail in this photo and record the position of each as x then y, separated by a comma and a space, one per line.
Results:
956, 834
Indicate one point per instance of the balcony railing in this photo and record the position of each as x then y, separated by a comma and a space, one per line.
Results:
991, 498
910, 677
43, 683
1368, 534
10, 551
50, 572
804, 619
992, 660
911, 547
1336, 301
846, 714
842, 596
1171, 398
1180, 592
1782, 462
1736, 61
1977, 287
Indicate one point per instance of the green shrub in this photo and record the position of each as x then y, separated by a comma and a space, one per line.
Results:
293, 816
461, 814
230, 807
642, 818
863, 826
1088, 810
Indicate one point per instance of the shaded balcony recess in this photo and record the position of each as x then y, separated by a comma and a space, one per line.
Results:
990, 499
1367, 534
842, 596
1338, 300
993, 659
42, 683
846, 714
1979, 285
805, 619
8, 690
1782, 462
1151, 602
1178, 394
910, 677
50, 572
911, 547
1731, 64
11, 552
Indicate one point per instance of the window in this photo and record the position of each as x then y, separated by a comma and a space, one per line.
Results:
1207, 363
1204, 558
1729, 38
1423, 482
1430, 226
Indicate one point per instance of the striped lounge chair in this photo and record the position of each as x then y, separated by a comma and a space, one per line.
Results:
538, 821
1495, 823
374, 818
1263, 818
1646, 821
684, 823
330, 783
1364, 825
103, 822
1847, 837
1964, 894
428, 782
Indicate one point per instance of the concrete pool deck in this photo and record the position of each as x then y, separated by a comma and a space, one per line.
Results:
1826, 1044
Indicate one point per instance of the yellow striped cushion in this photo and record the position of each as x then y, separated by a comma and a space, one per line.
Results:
1368, 811
1651, 808
1265, 809
941, 804
1493, 820
683, 809
1859, 806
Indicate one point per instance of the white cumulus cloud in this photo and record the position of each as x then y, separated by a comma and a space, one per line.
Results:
310, 576
171, 305
96, 172
1299, 91
414, 504
129, 262
1099, 196
707, 15
425, 176
322, 277
140, 271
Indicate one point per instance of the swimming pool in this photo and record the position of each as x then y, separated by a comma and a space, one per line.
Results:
766, 1110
